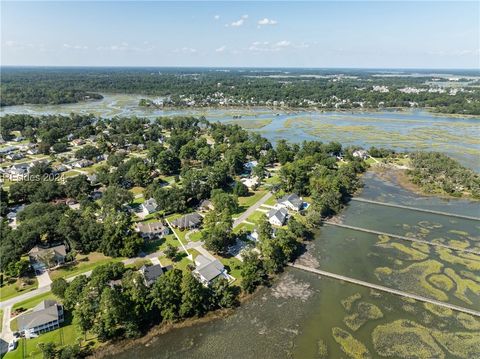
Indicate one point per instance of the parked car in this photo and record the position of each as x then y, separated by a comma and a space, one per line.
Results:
12, 345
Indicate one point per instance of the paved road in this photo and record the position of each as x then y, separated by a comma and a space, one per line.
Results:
251, 209
416, 209
386, 289
411, 239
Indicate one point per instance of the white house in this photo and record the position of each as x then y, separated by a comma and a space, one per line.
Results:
250, 182
290, 201
206, 270
149, 206
277, 217
360, 154
46, 316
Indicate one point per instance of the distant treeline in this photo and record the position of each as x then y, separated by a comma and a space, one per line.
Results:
208, 87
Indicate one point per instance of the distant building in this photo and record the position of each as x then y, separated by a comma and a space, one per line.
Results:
152, 230
46, 316
291, 201
189, 221
149, 206
151, 273
206, 205
249, 166
41, 258
206, 270
360, 154
277, 217
253, 236
250, 182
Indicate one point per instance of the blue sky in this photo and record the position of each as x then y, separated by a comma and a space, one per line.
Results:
266, 34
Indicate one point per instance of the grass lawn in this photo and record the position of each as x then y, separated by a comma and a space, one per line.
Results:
244, 226
196, 236
233, 266
137, 190
250, 200
30, 303
1, 319
10, 290
65, 335
272, 201
70, 174
84, 263
255, 217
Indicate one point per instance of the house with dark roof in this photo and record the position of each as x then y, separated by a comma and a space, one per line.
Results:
152, 230
277, 217
206, 205
151, 273
189, 221
291, 201
49, 257
46, 316
206, 270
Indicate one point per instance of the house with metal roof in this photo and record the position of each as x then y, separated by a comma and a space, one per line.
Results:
277, 217
46, 316
149, 206
151, 273
291, 201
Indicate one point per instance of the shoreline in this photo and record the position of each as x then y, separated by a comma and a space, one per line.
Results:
112, 348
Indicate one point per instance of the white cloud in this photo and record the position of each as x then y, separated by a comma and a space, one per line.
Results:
264, 46
186, 50
217, 17
266, 21
75, 47
221, 49
239, 22
125, 46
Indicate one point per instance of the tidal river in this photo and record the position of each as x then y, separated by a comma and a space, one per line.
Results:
306, 316
403, 131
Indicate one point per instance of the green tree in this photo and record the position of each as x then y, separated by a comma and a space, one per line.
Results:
193, 297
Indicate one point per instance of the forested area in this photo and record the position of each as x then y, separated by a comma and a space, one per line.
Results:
208, 87
437, 173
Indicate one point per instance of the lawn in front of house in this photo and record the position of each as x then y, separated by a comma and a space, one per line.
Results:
67, 334
248, 201
256, 216
234, 267
83, 264
32, 302
8, 291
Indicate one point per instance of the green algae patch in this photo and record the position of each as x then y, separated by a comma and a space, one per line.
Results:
463, 345
349, 345
422, 247
460, 233
470, 275
468, 321
251, 124
405, 339
463, 285
364, 313
322, 349
349, 301
469, 261
406, 252
382, 239
458, 244
413, 278
441, 281
438, 310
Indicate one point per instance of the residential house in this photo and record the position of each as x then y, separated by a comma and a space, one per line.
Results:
78, 142
12, 215
18, 169
360, 154
15, 156
206, 205
189, 221
253, 236
251, 182
206, 270
49, 257
83, 163
46, 316
291, 201
152, 230
250, 165
149, 206
151, 273
277, 217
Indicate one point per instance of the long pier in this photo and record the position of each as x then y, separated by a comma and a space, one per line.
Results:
386, 289
415, 209
411, 239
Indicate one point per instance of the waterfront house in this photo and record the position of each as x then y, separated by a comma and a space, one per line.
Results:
151, 273
46, 316
189, 221
290, 201
360, 154
206, 270
277, 217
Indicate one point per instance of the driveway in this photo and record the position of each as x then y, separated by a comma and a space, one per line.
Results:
252, 209
44, 279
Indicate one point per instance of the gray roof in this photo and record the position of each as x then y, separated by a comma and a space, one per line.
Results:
189, 220
208, 269
150, 205
150, 273
293, 199
43, 313
280, 214
60, 250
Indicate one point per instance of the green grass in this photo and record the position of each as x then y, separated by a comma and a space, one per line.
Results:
255, 217
32, 302
67, 334
1, 319
272, 201
137, 190
248, 201
196, 236
85, 263
245, 226
10, 290
233, 266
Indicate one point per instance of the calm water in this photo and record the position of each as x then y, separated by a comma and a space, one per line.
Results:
289, 320
410, 130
